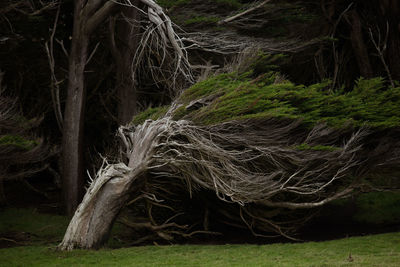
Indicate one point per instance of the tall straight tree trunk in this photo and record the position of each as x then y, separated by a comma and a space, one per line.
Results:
127, 87
392, 15
87, 17
359, 47
72, 151
124, 35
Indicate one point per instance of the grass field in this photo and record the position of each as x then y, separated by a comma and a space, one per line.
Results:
375, 250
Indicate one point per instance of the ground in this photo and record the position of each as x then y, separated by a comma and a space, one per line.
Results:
29, 238
377, 250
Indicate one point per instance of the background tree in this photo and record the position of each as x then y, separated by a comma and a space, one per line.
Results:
87, 17
124, 38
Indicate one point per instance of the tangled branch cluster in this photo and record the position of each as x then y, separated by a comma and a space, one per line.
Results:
251, 163
266, 175
161, 52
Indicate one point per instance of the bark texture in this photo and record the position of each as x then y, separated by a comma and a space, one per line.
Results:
125, 36
359, 47
109, 192
73, 126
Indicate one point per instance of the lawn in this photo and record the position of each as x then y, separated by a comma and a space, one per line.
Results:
44, 231
377, 250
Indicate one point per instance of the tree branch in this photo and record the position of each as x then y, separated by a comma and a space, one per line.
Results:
99, 16
243, 13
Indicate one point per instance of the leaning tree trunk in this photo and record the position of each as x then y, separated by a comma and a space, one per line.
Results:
108, 193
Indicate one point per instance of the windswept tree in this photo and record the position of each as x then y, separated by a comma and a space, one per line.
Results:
256, 152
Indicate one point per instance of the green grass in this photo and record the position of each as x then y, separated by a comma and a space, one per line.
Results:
28, 227
378, 208
37, 226
316, 148
377, 250
375, 209
47, 231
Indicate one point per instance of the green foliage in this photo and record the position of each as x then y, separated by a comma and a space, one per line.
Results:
38, 228
267, 62
150, 113
376, 250
375, 208
17, 141
316, 148
172, 3
378, 208
242, 97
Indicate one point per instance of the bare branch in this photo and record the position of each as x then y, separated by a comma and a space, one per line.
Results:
244, 12
55, 84
380, 48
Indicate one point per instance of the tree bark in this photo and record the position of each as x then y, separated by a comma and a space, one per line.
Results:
72, 151
109, 192
390, 13
123, 50
87, 17
91, 225
359, 47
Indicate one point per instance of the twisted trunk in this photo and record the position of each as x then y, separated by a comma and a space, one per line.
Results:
108, 193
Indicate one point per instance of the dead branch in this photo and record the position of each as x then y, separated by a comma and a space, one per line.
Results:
161, 53
380, 47
55, 84
244, 12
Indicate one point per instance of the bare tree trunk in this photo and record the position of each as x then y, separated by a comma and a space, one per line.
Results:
126, 84
87, 17
359, 47
391, 12
92, 222
108, 193
72, 153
